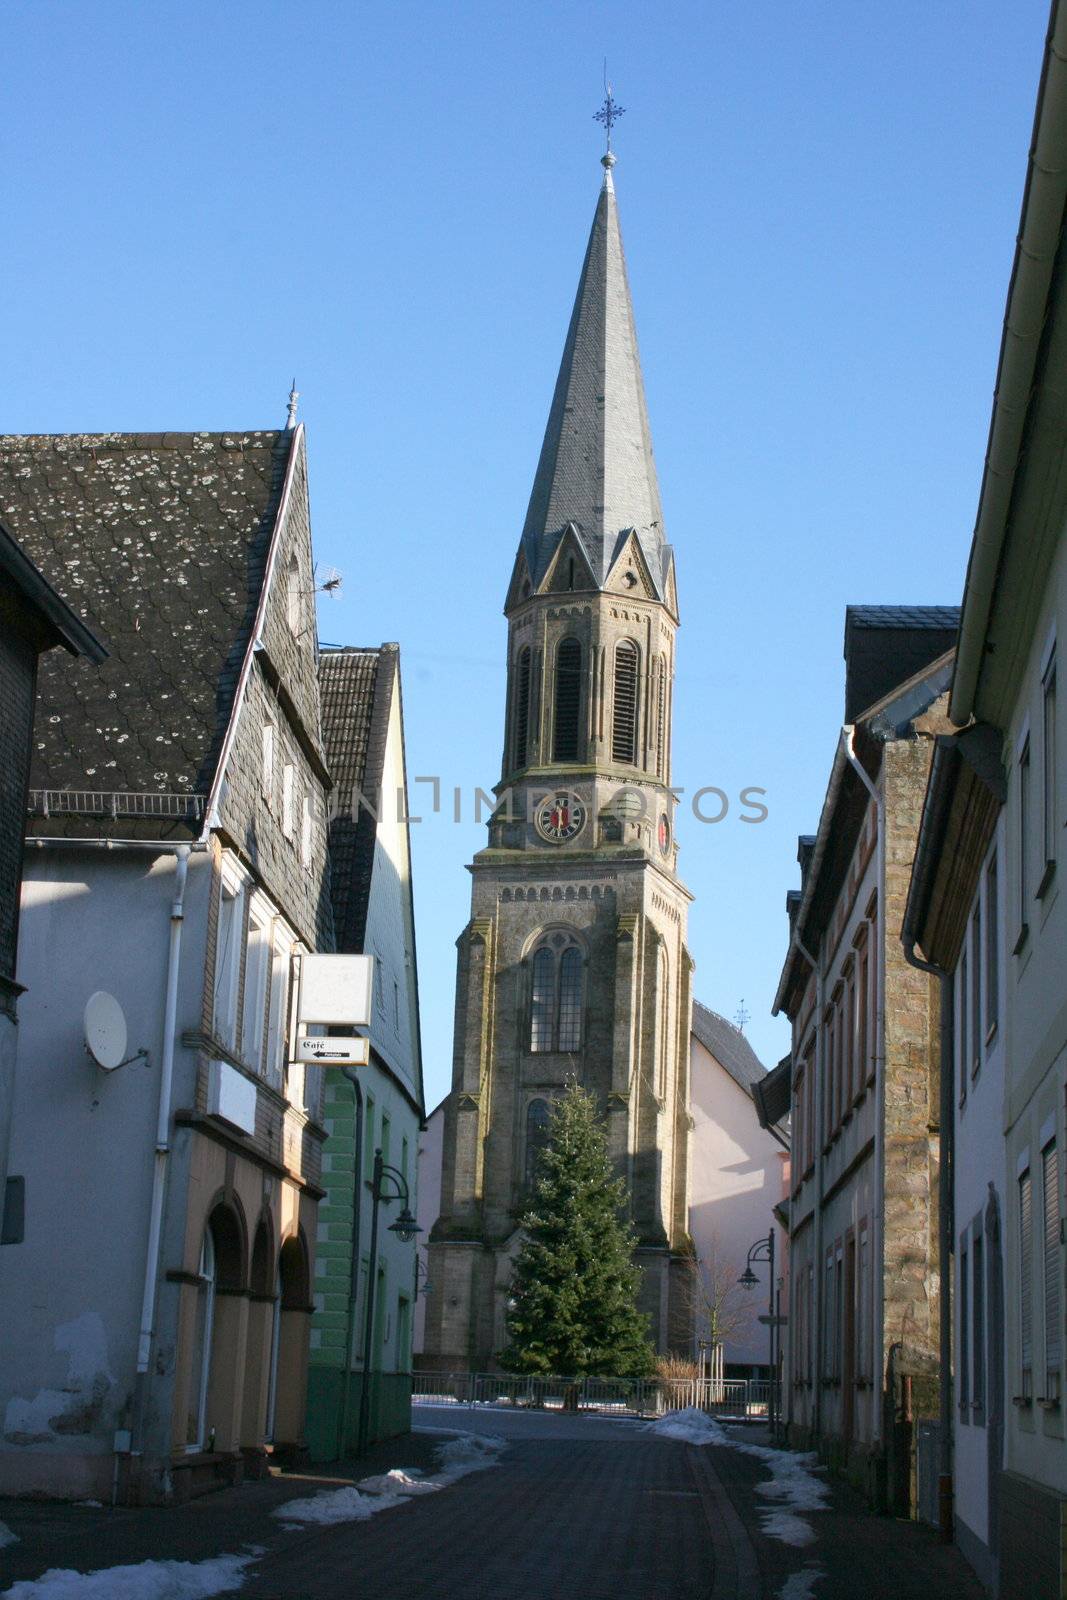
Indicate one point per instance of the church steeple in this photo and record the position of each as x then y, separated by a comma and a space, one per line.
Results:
596, 469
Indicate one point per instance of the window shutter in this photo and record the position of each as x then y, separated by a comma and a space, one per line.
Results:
522, 707
1026, 1276
624, 717
1052, 1297
568, 701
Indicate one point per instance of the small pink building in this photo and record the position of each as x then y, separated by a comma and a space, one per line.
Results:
738, 1175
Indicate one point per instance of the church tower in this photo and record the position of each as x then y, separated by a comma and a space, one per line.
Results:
574, 963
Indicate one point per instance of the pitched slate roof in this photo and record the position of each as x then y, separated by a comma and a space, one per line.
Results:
773, 1096
59, 624
728, 1045
596, 467
158, 541
356, 688
885, 645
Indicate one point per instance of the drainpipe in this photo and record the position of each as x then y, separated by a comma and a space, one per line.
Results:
162, 1153
946, 1227
353, 1288
848, 734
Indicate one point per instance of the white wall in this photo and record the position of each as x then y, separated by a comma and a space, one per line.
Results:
1036, 1045
736, 1178
979, 1163
84, 1140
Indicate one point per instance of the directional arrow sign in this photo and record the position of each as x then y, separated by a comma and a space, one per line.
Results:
330, 1051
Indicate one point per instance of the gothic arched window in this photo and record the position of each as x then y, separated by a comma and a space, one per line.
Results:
570, 999
663, 1022
522, 706
624, 711
538, 1117
556, 995
543, 1000
568, 701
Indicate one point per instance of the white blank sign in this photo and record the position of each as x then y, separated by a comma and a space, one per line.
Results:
336, 989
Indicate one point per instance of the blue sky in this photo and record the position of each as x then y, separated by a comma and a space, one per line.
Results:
819, 205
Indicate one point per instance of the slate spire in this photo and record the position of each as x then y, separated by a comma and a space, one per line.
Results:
597, 469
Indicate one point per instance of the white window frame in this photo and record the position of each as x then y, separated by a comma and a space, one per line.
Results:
229, 933
288, 799
258, 952
280, 997
305, 832
1049, 828
266, 767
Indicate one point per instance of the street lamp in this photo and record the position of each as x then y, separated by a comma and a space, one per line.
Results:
405, 1227
763, 1250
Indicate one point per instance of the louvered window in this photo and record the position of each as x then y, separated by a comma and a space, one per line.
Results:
568, 700
1026, 1283
661, 719
522, 706
542, 1000
624, 721
1052, 1298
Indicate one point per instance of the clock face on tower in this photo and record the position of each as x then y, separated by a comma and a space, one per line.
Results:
560, 817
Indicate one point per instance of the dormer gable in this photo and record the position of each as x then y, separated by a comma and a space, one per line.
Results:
629, 571
569, 570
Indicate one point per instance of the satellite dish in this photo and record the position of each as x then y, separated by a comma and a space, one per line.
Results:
105, 1030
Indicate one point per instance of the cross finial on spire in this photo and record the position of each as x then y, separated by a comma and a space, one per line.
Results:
609, 114
293, 398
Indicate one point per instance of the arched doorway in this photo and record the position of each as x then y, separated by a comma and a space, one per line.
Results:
261, 1345
290, 1362
215, 1388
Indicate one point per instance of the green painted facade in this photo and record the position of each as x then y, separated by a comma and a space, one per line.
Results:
386, 1119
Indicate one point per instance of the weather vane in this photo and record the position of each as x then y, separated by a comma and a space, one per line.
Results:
609, 112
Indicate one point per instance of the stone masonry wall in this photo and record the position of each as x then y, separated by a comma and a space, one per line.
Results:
911, 1034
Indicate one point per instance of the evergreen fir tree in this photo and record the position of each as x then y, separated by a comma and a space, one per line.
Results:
573, 1298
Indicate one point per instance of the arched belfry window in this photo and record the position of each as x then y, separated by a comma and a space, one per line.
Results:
568, 701
522, 707
538, 1117
661, 718
624, 711
556, 974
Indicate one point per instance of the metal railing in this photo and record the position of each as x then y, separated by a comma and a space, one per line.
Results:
113, 803
740, 1399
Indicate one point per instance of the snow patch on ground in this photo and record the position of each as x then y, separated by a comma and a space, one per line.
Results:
691, 1426
792, 1483
149, 1580
798, 1585
6, 1536
466, 1453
